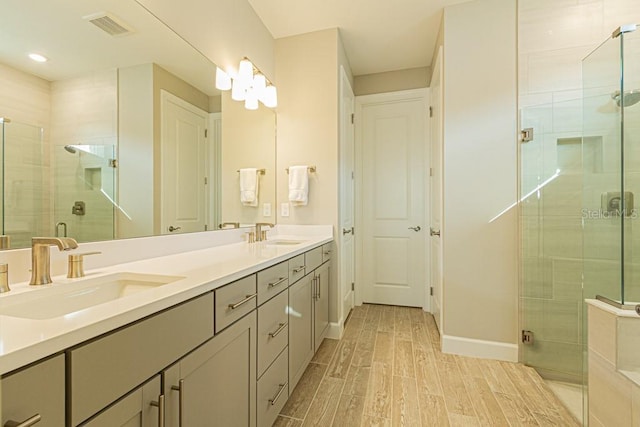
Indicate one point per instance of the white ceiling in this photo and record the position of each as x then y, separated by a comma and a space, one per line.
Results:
378, 35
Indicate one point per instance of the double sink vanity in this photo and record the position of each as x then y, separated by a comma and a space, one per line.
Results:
214, 336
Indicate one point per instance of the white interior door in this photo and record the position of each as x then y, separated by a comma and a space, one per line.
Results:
347, 201
436, 191
392, 139
183, 166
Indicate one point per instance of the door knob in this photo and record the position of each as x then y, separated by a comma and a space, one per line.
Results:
433, 232
416, 228
172, 228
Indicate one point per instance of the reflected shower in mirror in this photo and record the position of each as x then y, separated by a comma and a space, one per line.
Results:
120, 132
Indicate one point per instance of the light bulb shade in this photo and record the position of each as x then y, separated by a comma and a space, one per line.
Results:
238, 91
223, 81
259, 85
251, 101
270, 98
245, 73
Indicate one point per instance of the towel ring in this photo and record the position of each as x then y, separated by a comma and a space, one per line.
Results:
311, 169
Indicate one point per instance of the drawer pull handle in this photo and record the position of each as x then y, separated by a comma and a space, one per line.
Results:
298, 269
160, 405
275, 333
277, 396
244, 301
280, 280
180, 388
26, 423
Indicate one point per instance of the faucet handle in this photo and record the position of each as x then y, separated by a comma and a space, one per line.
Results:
76, 264
4, 278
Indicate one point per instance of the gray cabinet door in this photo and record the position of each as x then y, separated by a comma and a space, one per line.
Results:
321, 304
217, 381
37, 390
300, 328
140, 408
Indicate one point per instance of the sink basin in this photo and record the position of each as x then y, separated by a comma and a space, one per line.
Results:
284, 242
61, 299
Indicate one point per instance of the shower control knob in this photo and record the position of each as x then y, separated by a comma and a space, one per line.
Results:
172, 228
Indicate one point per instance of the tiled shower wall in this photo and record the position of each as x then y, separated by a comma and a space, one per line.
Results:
554, 37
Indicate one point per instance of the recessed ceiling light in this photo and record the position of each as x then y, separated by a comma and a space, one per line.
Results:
37, 57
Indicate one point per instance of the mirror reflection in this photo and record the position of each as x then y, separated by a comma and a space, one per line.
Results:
120, 132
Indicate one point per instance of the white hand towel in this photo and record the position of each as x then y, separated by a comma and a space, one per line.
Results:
299, 185
249, 186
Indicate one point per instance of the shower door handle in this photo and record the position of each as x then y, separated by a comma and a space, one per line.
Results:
172, 228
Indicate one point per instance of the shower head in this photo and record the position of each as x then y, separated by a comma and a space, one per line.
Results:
70, 149
631, 97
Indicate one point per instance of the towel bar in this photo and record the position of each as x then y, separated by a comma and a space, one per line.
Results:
312, 169
259, 171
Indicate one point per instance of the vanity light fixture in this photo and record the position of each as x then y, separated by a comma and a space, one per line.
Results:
248, 85
37, 57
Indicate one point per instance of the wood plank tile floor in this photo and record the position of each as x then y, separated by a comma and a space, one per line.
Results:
388, 370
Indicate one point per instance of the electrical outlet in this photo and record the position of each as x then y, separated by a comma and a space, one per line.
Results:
284, 209
266, 209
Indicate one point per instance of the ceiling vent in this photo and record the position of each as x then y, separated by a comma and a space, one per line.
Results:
109, 24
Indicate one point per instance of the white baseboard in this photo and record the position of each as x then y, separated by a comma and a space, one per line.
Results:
335, 330
480, 348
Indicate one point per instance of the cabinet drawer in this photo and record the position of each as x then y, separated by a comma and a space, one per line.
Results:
273, 330
103, 370
38, 389
273, 391
313, 258
327, 252
234, 301
296, 269
272, 280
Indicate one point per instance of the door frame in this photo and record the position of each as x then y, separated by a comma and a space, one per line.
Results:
388, 98
346, 126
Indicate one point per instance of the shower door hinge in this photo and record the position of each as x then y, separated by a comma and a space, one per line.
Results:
430, 111
113, 163
352, 118
527, 337
526, 135
206, 132
431, 291
353, 286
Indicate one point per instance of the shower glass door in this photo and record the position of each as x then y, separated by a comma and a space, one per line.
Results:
551, 240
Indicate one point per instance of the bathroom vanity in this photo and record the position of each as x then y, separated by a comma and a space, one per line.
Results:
223, 343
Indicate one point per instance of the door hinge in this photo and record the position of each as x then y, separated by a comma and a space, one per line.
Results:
353, 286
430, 171
526, 135
352, 175
206, 227
527, 337
206, 181
206, 133
431, 291
430, 111
353, 118
113, 163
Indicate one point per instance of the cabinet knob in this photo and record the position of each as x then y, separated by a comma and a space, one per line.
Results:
26, 423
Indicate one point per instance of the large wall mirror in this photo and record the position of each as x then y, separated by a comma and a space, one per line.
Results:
121, 132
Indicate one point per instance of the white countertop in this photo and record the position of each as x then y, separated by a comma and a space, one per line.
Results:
613, 310
23, 341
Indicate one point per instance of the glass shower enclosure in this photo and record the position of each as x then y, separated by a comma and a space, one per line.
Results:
50, 189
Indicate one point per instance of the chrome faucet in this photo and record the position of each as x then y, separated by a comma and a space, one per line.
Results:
259, 235
41, 256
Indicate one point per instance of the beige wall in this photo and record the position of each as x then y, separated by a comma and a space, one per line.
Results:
248, 141
224, 30
308, 66
480, 158
391, 81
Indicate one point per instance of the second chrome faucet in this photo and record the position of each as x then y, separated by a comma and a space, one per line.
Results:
41, 256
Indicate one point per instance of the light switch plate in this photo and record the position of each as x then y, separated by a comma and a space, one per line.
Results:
284, 209
266, 209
